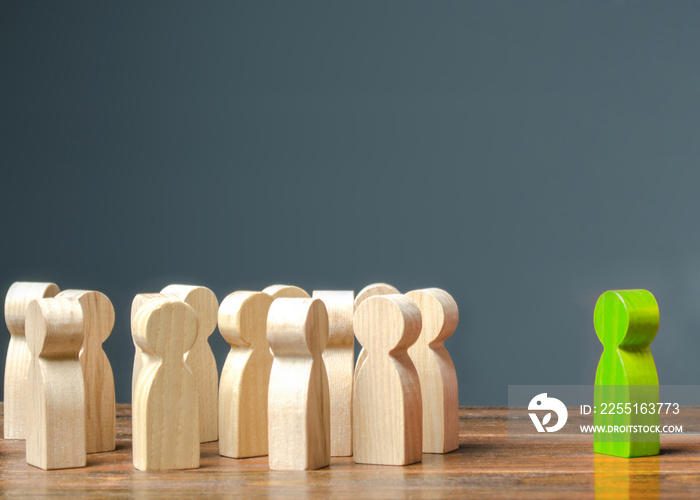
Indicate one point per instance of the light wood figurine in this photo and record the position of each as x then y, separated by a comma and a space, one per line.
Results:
246, 375
372, 290
298, 400
339, 358
100, 413
286, 291
139, 300
387, 406
200, 359
165, 421
436, 371
18, 358
55, 388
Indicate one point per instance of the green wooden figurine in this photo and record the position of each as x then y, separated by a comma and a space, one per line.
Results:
626, 383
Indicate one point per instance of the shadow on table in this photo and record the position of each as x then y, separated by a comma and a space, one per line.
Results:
617, 477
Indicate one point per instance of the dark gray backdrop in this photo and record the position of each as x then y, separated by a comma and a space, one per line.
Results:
524, 156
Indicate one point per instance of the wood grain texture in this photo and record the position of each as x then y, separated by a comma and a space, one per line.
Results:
626, 322
100, 416
246, 375
436, 371
166, 411
339, 360
200, 359
373, 290
55, 387
387, 404
615, 478
18, 357
298, 401
139, 300
486, 465
286, 291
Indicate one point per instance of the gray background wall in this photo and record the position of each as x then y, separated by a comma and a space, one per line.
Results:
524, 156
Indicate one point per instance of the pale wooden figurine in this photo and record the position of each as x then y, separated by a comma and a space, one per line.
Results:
55, 387
246, 375
372, 290
136, 304
18, 358
286, 291
338, 358
100, 413
387, 406
165, 421
200, 359
438, 378
298, 400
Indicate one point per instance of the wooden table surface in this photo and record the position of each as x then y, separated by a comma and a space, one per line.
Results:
486, 465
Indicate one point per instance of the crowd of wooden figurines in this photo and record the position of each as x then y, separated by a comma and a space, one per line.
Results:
289, 388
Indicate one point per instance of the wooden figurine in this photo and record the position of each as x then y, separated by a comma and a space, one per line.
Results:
364, 294
286, 291
436, 371
18, 358
298, 401
338, 358
387, 405
246, 375
55, 387
626, 322
100, 414
372, 291
200, 359
139, 300
165, 410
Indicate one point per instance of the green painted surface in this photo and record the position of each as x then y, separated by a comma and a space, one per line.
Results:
626, 322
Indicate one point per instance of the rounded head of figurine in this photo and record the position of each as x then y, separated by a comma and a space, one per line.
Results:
626, 318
